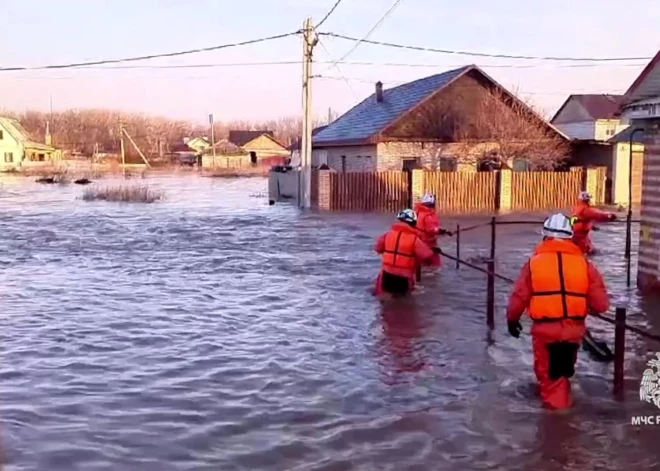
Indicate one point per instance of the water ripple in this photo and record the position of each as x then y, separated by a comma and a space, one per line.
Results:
212, 331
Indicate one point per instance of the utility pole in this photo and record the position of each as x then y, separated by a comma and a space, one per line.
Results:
212, 137
309, 41
121, 144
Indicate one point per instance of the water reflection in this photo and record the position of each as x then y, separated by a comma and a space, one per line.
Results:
402, 331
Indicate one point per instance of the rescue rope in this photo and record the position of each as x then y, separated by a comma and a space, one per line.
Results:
602, 317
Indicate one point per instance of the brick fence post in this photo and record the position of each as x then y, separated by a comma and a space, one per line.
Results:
324, 191
417, 185
506, 190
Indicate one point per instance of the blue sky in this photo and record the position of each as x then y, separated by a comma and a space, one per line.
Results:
40, 32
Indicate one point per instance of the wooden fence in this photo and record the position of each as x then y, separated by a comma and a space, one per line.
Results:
369, 191
462, 191
544, 190
457, 192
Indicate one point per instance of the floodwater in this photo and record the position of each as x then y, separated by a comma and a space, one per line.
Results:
214, 332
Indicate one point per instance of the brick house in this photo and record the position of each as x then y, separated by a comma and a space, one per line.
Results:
640, 111
414, 125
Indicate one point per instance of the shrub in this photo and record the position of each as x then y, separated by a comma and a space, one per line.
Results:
123, 194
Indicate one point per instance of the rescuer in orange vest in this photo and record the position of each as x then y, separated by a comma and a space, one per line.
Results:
402, 250
584, 216
558, 287
428, 224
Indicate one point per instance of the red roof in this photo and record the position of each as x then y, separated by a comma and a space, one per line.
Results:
598, 106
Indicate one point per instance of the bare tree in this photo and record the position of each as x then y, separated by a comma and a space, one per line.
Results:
502, 129
475, 124
85, 130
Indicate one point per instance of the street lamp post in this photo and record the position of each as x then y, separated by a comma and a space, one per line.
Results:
629, 216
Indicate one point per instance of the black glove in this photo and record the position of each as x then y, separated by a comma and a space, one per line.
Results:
436, 250
514, 328
613, 217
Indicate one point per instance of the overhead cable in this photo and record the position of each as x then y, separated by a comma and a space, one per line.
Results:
152, 56
483, 54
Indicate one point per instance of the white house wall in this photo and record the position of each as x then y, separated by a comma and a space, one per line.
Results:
356, 158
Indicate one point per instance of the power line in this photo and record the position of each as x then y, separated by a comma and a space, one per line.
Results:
339, 71
327, 15
522, 92
371, 31
153, 56
358, 63
483, 54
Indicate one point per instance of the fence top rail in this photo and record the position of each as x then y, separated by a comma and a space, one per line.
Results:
602, 317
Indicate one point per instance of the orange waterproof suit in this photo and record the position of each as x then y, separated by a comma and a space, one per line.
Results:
584, 216
402, 250
558, 287
428, 224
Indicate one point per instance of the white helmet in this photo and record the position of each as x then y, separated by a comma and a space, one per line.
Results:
408, 216
558, 226
428, 199
585, 196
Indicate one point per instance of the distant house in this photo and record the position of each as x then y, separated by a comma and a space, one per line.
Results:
261, 146
18, 149
429, 123
225, 154
590, 121
640, 111
198, 144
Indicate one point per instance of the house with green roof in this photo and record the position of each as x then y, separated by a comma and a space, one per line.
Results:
19, 150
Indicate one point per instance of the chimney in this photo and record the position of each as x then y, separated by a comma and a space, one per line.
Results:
379, 91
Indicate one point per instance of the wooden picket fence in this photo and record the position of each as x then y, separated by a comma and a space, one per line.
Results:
462, 191
457, 192
531, 191
369, 191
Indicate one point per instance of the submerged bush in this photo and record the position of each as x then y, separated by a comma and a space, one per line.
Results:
123, 194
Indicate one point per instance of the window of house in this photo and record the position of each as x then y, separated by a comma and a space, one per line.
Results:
447, 164
411, 164
521, 165
2, 134
42, 157
9, 157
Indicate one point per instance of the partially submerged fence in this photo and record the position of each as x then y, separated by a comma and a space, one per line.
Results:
456, 191
618, 321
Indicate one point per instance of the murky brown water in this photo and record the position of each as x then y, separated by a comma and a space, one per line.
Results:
213, 332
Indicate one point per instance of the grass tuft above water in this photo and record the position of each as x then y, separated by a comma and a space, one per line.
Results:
123, 194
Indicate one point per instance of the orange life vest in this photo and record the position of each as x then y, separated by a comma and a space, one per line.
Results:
580, 226
400, 250
560, 282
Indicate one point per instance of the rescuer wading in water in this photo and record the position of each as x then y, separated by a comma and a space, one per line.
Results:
558, 287
402, 251
584, 216
428, 224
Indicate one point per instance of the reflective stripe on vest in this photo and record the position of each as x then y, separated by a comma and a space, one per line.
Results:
400, 250
579, 224
559, 287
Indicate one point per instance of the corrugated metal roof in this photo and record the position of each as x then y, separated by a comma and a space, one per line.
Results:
624, 136
370, 117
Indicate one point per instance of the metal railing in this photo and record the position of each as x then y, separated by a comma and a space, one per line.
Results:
619, 320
